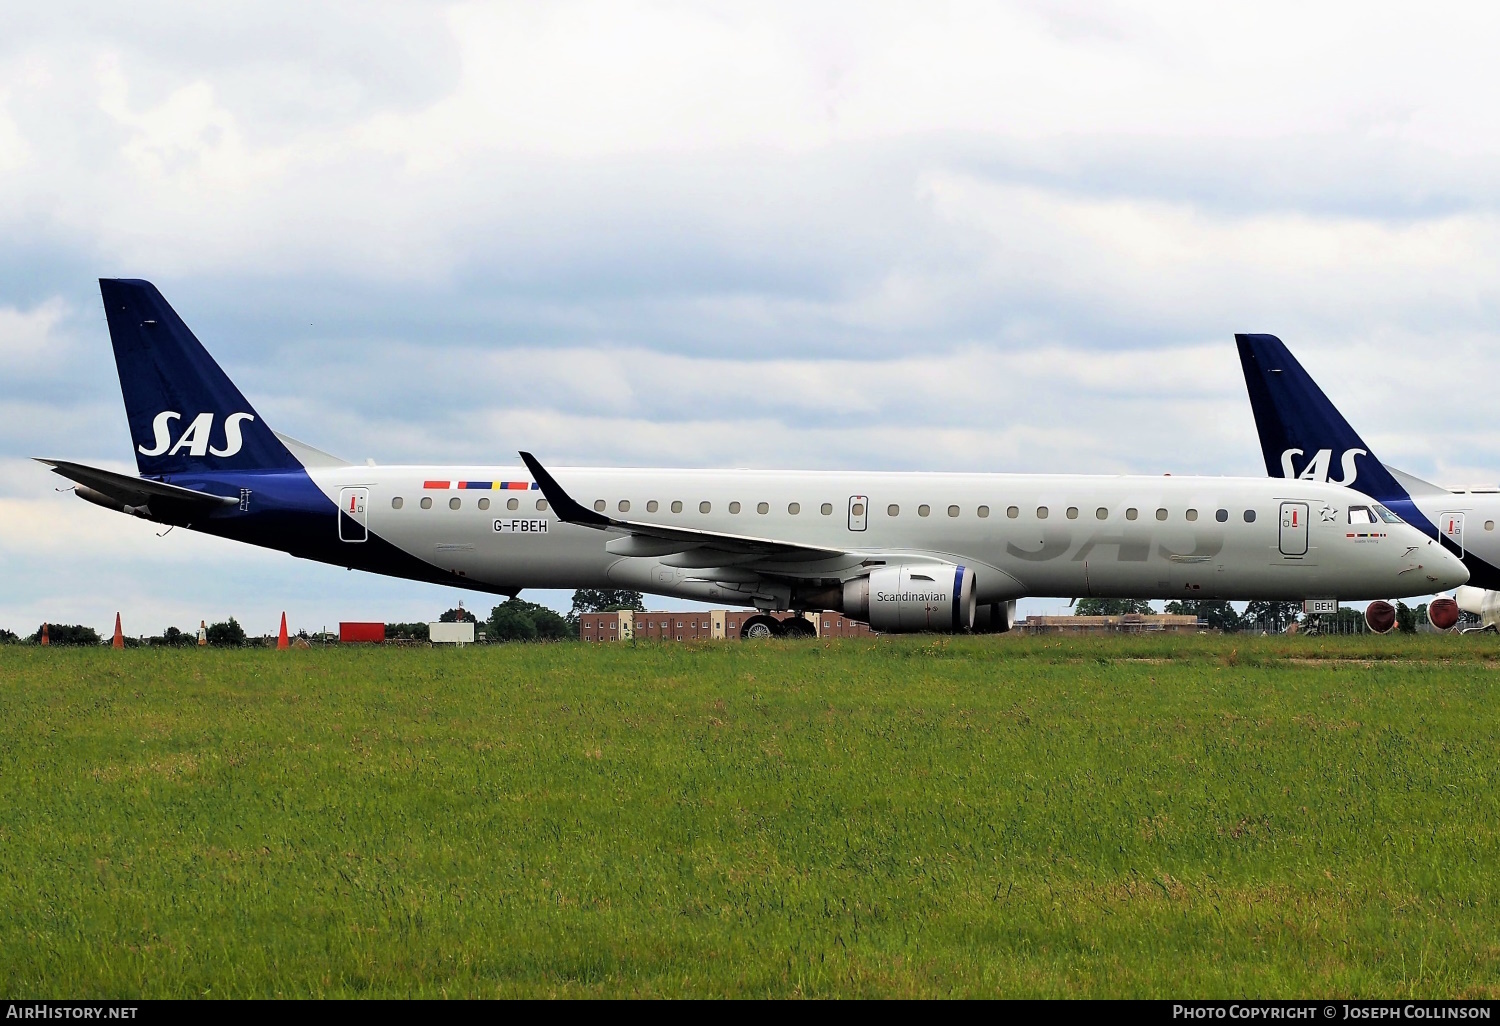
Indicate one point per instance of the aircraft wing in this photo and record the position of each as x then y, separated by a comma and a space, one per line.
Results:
706, 548
135, 491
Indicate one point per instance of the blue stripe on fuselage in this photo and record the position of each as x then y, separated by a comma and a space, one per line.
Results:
289, 513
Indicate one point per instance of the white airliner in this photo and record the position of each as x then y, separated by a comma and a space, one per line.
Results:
1304, 436
902, 551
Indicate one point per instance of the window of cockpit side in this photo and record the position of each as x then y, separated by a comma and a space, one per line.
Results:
1387, 515
1360, 515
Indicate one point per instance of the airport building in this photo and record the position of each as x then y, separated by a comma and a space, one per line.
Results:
711, 624
716, 624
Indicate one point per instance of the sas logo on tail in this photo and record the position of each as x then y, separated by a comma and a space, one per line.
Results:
195, 439
1316, 469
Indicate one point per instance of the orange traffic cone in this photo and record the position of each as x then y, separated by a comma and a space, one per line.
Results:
119, 635
281, 641
44, 635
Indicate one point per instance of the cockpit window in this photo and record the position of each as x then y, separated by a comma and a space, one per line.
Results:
1387, 515
1360, 515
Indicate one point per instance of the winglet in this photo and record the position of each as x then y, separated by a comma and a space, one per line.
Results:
568, 511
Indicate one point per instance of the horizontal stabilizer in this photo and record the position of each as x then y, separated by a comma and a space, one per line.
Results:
136, 491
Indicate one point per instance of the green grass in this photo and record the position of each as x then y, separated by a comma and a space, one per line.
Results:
1115, 817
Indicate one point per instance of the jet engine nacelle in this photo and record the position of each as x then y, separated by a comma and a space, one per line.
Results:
1380, 616
1480, 602
908, 597
1443, 613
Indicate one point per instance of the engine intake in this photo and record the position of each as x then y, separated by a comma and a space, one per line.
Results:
1443, 613
906, 598
1380, 616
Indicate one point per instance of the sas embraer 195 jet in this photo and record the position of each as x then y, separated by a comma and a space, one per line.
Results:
1303, 436
902, 551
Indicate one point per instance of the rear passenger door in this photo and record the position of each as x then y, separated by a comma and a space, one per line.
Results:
1294, 528
1452, 526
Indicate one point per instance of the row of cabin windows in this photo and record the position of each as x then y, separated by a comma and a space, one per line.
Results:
858, 509
455, 503
1102, 513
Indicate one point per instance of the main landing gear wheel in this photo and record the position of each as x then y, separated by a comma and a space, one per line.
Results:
760, 626
798, 627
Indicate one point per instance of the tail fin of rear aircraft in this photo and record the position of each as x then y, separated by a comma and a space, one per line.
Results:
185, 414
1302, 434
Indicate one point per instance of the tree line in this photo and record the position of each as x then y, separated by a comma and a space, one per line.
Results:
512, 620
1271, 617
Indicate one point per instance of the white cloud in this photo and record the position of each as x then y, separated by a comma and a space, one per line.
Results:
29, 339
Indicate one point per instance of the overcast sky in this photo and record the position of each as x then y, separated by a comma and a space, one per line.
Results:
988, 237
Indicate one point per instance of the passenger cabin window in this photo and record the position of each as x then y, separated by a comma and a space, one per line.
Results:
1041, 512
1072, 512
1249, 516
1222, 516
397, 502
858, 509
984, 512
762, 507
1132, 513
1489, 525
484, 503
1101, 513
1192, 514
652, 506
893, 510
426, 502
704, 507
734, 507
541, 505
1012, 512
924, 510
512, 503
827, 509
1361, 515
794, 508
455, 502
953, 511
599, 505
1161, 514
676, 505
624, 506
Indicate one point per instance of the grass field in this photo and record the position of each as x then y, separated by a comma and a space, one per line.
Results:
1005, 816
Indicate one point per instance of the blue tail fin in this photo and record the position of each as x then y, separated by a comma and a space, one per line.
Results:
1302, 434
185, 414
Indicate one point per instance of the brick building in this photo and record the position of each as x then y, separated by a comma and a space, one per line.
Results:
708, 624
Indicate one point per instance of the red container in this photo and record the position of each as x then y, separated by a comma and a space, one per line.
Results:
361, 632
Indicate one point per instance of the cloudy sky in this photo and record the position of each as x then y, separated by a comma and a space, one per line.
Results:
991, 237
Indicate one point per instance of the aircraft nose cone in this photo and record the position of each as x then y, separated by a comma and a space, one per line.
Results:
1441, 568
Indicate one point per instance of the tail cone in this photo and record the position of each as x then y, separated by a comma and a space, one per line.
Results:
281, 641
119, 641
